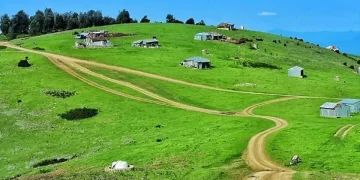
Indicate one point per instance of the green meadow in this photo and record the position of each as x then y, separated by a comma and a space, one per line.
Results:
321, 65
193, 145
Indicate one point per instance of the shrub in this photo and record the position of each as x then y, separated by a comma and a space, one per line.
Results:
295, 38
75, 33
285, 44
47, 162
298, 43
79, 113
39, 49
60, 94
291, 38
259, 65
358, 61
345, 63
274, 41
351, 67
301, 40
345, 55
279, 41
2, 47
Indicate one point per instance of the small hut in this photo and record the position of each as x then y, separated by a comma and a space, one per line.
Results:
216, 36
147, 43
334, 110
196, 62
202, 36
296, 71
354, 104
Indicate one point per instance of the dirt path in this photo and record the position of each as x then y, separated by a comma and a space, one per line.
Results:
341, 130
347, 131
144, 74
255, 155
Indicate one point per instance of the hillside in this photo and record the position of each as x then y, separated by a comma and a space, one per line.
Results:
172, 122
321, 65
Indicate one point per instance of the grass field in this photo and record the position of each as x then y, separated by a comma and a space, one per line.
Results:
312, 138
195, 145
320, 65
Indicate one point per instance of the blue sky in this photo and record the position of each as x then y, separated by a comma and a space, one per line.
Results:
261, 15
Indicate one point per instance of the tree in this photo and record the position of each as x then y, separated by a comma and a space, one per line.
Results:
60, 23
170, 18
90, 18
49, 20
108, 20
190, 21
5, 24
20, 23
37, 23
201, 23
74, 21
145, 20
124, 17
98, 18
83, 20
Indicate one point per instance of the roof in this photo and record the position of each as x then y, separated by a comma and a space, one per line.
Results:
223, 24
349, 101
329, 105
203, 33
197, 59
296, 68
215, 34
145, 41
99, 39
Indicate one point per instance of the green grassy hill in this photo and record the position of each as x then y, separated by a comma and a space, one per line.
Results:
195, 145
321, 65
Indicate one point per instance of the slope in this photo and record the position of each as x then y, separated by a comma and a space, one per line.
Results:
321, 65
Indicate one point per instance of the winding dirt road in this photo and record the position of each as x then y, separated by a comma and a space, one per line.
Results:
255, 154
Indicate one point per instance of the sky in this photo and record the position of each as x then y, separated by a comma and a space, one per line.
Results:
260, 15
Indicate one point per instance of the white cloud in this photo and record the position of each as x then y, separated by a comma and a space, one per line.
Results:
267, 13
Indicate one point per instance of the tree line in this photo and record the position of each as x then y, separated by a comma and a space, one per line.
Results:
47, 21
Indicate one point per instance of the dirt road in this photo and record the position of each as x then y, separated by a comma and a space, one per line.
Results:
344, 131
255, 154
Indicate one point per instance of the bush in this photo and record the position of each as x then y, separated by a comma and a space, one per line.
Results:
345, 54
39, 49
60, 94
358, 61
298, 43
259, 65
79, 113
285, 44
22, 36
291, 38
2, 47
274, 41
345, 63
351, 67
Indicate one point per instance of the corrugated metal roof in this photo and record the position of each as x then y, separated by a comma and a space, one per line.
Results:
296, 68
329, 105
349, 101
197, 59
203, 34
215, 34
145, 41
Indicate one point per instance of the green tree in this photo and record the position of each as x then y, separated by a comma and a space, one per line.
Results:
83, 20
145, 20
190, 21
98, 18
5, 24
49, 20
37, 23
108, 20
170, 18
201, 23
20, 23
90, 20
60, 23
74, 21
124, 17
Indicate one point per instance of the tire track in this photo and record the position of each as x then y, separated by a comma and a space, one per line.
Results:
347, 131
341, 130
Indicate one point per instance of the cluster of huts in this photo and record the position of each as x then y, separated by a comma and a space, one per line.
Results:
340, 109
92, 38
